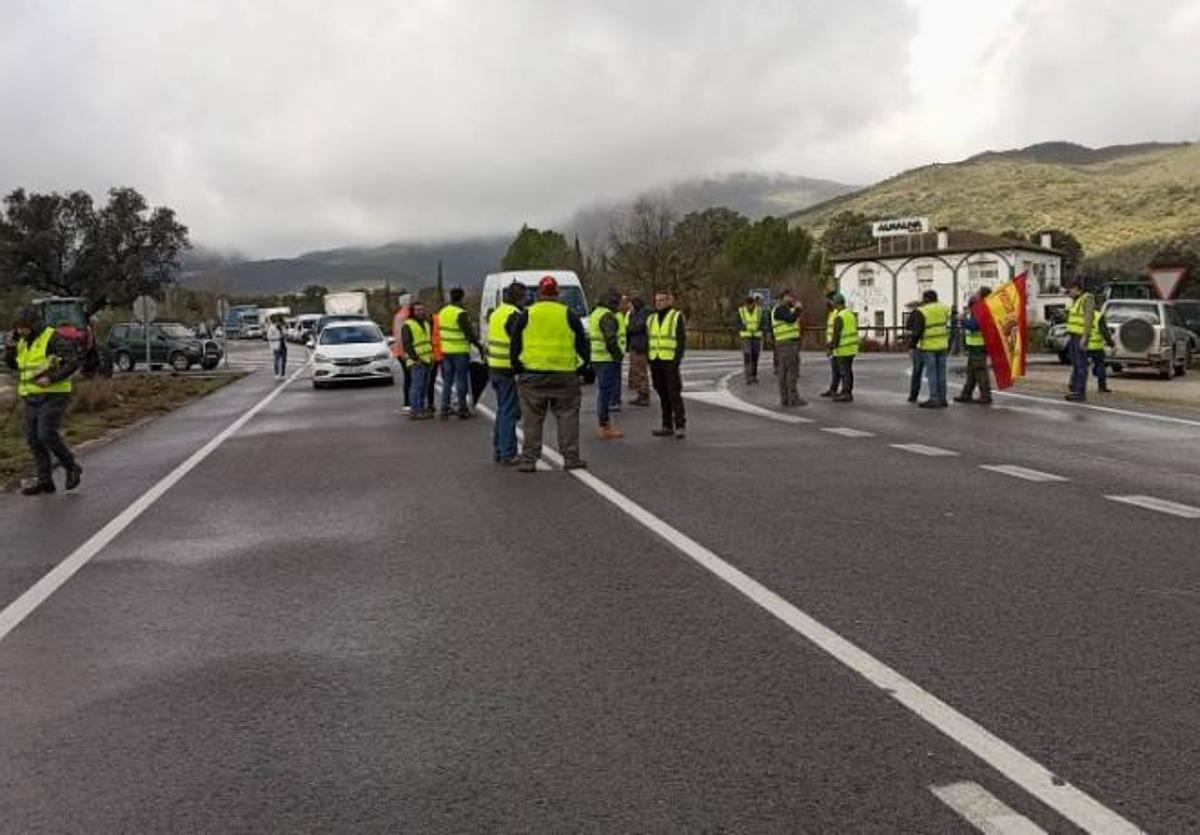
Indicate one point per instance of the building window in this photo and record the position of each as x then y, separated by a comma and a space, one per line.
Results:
866, 277
983, 271
879, 321
924, 277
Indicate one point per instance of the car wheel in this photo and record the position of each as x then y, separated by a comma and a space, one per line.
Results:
317, 385
1117, 368
1182, 367
209, 365
124, 361
1167, 368
179, 362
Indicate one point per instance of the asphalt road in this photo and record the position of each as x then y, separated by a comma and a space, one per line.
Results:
338, 620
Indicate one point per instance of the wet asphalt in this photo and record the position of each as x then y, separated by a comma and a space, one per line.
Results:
344, 621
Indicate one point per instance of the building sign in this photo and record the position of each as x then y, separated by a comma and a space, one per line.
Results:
899, 226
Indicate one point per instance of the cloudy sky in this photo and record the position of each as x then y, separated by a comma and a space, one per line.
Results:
277, 126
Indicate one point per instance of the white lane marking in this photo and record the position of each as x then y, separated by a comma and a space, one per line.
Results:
1023, 472
1070, 802
847, 432
1106, 409
54, 579
922, 449
728, 401
980, 808
1160, 505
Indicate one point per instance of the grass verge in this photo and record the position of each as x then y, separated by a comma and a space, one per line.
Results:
99, 409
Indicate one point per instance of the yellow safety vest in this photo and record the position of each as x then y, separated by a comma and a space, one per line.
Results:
1075, 319
784, 331
829, 320
600, 352
32, 362
454, 341
848, 341
623, 330
664, 344
937, 327
498, 342
422, 339
751, 322
1096, 338
548, 343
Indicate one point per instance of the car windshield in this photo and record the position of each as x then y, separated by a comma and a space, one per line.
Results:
58, 313
350, 335
176, 331
1118, 313
572, 297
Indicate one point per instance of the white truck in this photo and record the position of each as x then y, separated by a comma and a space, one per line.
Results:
346, 304
266, 314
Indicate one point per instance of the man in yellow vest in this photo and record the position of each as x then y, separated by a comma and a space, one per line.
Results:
416, 338
843, 346
930, 329
604, 331
1098, 344
830, 316
622, 314
786, 328
44, 362
457, 336
549, 345
1081, 322
500, 371
668, 339
977, 367
750, 330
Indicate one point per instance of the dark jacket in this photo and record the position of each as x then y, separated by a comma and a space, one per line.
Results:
916, 328
610, 330
468, 328
517, 323
680, 336
636, 334
61, 347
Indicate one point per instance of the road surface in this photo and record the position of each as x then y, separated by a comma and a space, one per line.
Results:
295, 610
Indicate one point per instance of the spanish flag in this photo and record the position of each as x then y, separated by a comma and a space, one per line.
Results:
1001, 316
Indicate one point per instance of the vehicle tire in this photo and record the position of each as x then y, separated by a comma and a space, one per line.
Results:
1182, 367
124, 361
317, 385
209, 365
1063, 359
1167, 368
1117, 368
179, 362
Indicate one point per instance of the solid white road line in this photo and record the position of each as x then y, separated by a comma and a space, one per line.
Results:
1064, 404
980, 808
53, 580
1070, 802
1023, 472
922, 449
1161, 505
847, 432
728, 401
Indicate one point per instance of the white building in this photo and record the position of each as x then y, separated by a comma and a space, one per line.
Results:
880, 280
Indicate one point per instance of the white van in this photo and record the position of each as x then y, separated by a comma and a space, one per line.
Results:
570, 292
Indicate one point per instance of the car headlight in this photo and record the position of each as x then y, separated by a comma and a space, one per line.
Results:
319, 357
382, 355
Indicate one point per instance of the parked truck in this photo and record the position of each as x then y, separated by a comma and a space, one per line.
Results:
346, 304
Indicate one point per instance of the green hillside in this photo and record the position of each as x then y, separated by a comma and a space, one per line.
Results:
1121, 203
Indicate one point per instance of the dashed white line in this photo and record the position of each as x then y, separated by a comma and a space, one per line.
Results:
1022, 472
847, 432
980, 808
1160, 505
922, 449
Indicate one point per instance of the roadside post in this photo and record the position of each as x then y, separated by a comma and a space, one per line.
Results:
222, 316
144, 310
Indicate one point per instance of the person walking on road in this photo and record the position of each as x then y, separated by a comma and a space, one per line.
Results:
930, 325
275, 339
831, 316
417, 339
785, 326
668, 339
750, 325
500, 371
977, 366
549, 345
1081, 323
843, 347
457, 335
605, 329
44, 362
1098, 344
638, 339
918, 359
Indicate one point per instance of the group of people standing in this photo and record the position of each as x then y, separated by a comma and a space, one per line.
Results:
536, 355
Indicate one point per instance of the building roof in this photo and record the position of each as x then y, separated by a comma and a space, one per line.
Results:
961, 242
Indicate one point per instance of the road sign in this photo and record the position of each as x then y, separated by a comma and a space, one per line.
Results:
899, 226
145, 309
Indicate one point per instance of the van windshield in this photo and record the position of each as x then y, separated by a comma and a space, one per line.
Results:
572, 297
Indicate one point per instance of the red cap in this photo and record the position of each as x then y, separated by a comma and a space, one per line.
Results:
548, 286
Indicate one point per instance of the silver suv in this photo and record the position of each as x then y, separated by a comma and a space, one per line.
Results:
1148, 332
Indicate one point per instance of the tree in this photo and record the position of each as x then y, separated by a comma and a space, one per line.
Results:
61, 244
769, 248
644, 249
314, 293
1067, 244
846, 232
537, 249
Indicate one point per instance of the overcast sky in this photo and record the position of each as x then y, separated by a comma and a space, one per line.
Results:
277, 126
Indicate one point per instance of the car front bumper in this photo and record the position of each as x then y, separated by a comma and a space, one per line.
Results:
341, 370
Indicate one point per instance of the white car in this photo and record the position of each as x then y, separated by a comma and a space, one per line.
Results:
253, 332
355, 350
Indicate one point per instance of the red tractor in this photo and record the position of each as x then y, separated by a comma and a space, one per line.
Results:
69, 317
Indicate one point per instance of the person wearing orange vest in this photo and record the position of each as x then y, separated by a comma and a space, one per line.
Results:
398, 318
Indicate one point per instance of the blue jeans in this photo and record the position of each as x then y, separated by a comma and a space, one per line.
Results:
608, 383
280, 361
935, 373
508, 414
1099, 367
456, 371
417, 374
1079, 366
918, 368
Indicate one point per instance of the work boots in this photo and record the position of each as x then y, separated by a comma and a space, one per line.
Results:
611, 433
